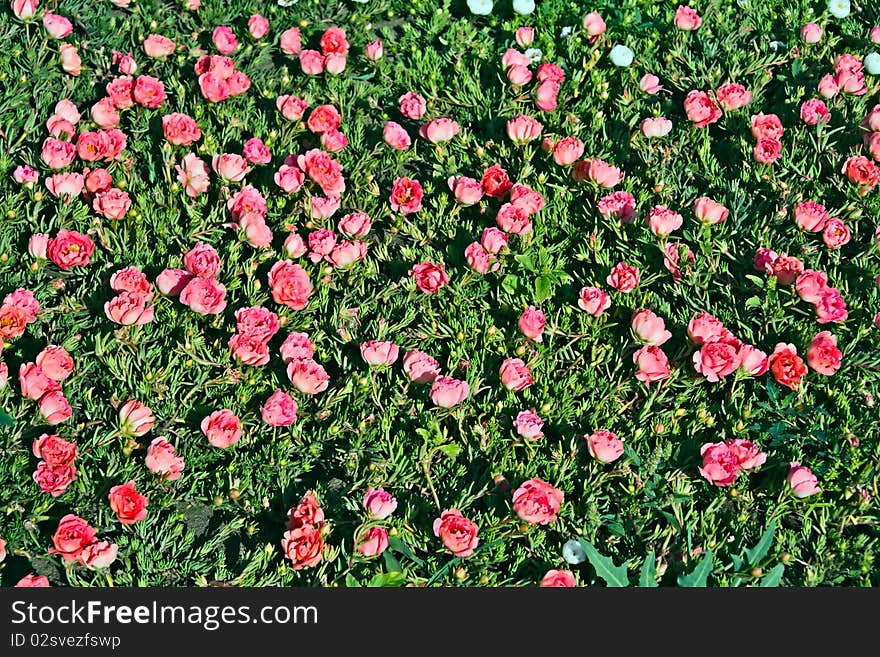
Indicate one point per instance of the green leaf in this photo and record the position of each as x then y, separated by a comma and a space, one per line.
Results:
773, 578
350, 581
648, 577
509, 283
526, 261
756, 280
604, 566
451, 450
543, 288
5, 419
388, 579
763, 547
391, 563
700, 574
399, 546
753, 302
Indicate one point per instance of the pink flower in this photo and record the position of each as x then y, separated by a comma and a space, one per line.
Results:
767, 151
515, 375
704, 328
429, 277
129, 308
459, 534
519, 75
523, 129
720, 463
493, 240
815, 111
291, 41
222, 428
295, 246
655, 127
355, 224
346, 253
447, 392
732, 96
604, 445
823, 354
32, 580
162, 460
531, 323
372, 542
650, 84
249, 349
836, 234
649, 328
26, 175
292, 108
193, 175
124, 62
279, 410
379, 503
786, 269
128, 505
70, 60
258, 26
528, 424
112, 204
420, 367
224, 40
311, 62
686, 18
379, 352
524, 36
54, 479
752, 360
334, 42
289, 178
307, 376
71, 537
34, 382
810, 284
156, 45
709, 211
55, 362
618, 205
100, 554
57, 26
811, 33
406, 195
67, 185
148, 91
558, 579
862, 172
715, 360
527, 199
172, 281
662, 221
599, 171
202, 260
766, 126
323, 207
546, 95
810, 216
296, 346
54, 407
230, 166
701, 109
374, 50
830, 306
396, 136
412, 105
593, 24
594, 300
513, 219
135, 418
623, 277
537, 502
206, 296
325, 171
439, 130
333, 141
652, 363
324, 118
57, 153
828, 87
802, 481
255, 151
567, 150
290, 284
25, 10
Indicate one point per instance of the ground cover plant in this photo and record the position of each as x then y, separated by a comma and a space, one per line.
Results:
439, 293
